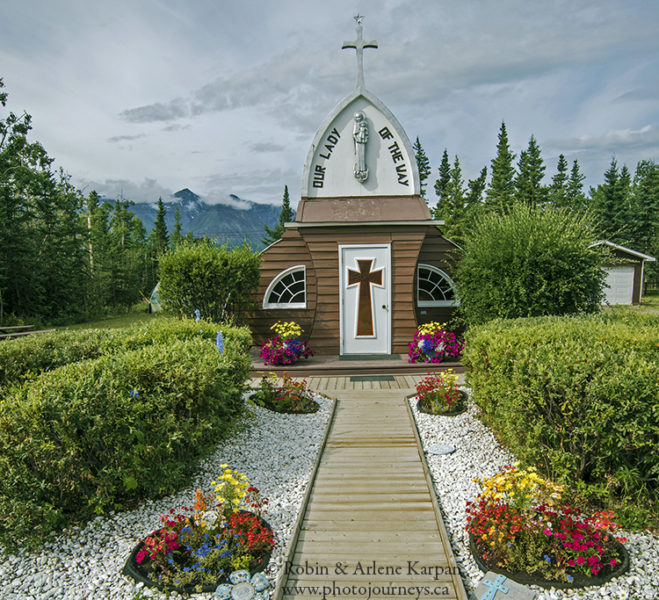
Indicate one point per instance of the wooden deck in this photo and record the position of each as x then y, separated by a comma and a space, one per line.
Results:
332, 365
372, 527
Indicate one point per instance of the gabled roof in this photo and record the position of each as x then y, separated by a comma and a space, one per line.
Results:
623, 249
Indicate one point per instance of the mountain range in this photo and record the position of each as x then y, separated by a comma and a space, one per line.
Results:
233, 222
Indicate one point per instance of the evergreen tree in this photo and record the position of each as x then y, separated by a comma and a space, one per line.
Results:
473, 201
455, 205
501, 191
42, 272
177, 236
99, 244
576, 199
610, 204
285, 216
644, 226
423, 165
159, 236
441, 186
558, 191
531, 170
476, 188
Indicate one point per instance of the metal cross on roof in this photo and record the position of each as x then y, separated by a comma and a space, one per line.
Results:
359, 44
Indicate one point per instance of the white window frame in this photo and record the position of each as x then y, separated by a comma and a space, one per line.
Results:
282, 305
437, 303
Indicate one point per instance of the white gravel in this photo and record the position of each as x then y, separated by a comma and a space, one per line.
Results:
479, 455
276, 452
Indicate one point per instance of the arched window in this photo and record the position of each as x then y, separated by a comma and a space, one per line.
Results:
287, 289
434, 287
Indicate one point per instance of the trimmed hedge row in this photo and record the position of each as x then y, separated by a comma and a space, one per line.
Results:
99, 434
578, 397
34, 354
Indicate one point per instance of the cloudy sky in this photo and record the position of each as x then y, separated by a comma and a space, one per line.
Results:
224, 96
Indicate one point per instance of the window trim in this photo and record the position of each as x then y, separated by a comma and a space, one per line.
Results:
283, 305
435, 303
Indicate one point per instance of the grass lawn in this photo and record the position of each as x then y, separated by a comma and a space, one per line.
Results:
135, 315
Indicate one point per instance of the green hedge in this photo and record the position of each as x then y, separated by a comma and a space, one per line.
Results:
78, 440
34, 354
578, 397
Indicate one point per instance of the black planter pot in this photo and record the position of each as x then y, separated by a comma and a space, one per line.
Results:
580, 580
461, 406
132, 569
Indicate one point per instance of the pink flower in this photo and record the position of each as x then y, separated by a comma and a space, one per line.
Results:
141, 555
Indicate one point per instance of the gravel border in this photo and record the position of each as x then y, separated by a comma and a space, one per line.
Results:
277, 452
478, 454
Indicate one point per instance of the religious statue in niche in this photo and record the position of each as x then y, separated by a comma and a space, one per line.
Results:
360, 135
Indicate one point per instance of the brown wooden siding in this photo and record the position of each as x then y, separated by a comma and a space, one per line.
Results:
288, 252
318, 249
438, 252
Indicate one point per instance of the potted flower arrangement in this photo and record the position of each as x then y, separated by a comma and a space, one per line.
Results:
290, 396
433, 343
519, 526
200, 547
438, 394
285, 348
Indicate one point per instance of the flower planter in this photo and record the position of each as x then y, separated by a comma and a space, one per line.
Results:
140, 574
461, 406
580, 580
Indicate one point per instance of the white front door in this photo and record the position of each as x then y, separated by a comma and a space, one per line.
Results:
365, 298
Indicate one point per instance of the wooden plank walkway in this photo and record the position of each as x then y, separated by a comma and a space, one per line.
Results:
372, 528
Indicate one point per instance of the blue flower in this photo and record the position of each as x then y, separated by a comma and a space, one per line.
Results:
427, 346
219, 342
547, 558
197, 314
135, 394
570, 578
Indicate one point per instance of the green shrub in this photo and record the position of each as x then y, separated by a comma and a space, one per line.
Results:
99, 434
34, 354
579, 398
212, 279
529, 262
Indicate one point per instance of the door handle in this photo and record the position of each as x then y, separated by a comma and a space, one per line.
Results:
384, 306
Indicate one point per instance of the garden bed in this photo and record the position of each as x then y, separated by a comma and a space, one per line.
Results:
277, 451
479, 455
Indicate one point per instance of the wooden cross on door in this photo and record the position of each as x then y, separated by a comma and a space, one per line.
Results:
365, 278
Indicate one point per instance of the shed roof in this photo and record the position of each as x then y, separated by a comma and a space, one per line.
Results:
623, 249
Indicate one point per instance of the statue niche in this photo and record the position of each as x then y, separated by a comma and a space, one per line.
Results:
360, 136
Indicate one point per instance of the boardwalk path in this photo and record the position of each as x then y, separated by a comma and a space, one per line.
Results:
371, 529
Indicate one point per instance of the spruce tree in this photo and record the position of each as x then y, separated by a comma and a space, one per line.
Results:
159, 236
610, 204
501, 191
558, 191
423, 165
455, 205
576, 199
474, 201
441, 187
285, 216
531, 170
177, 236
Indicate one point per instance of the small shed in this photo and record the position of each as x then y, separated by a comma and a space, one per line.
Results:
363, 264
624, 274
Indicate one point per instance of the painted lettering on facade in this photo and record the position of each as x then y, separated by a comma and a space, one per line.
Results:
319, 171
396, 156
